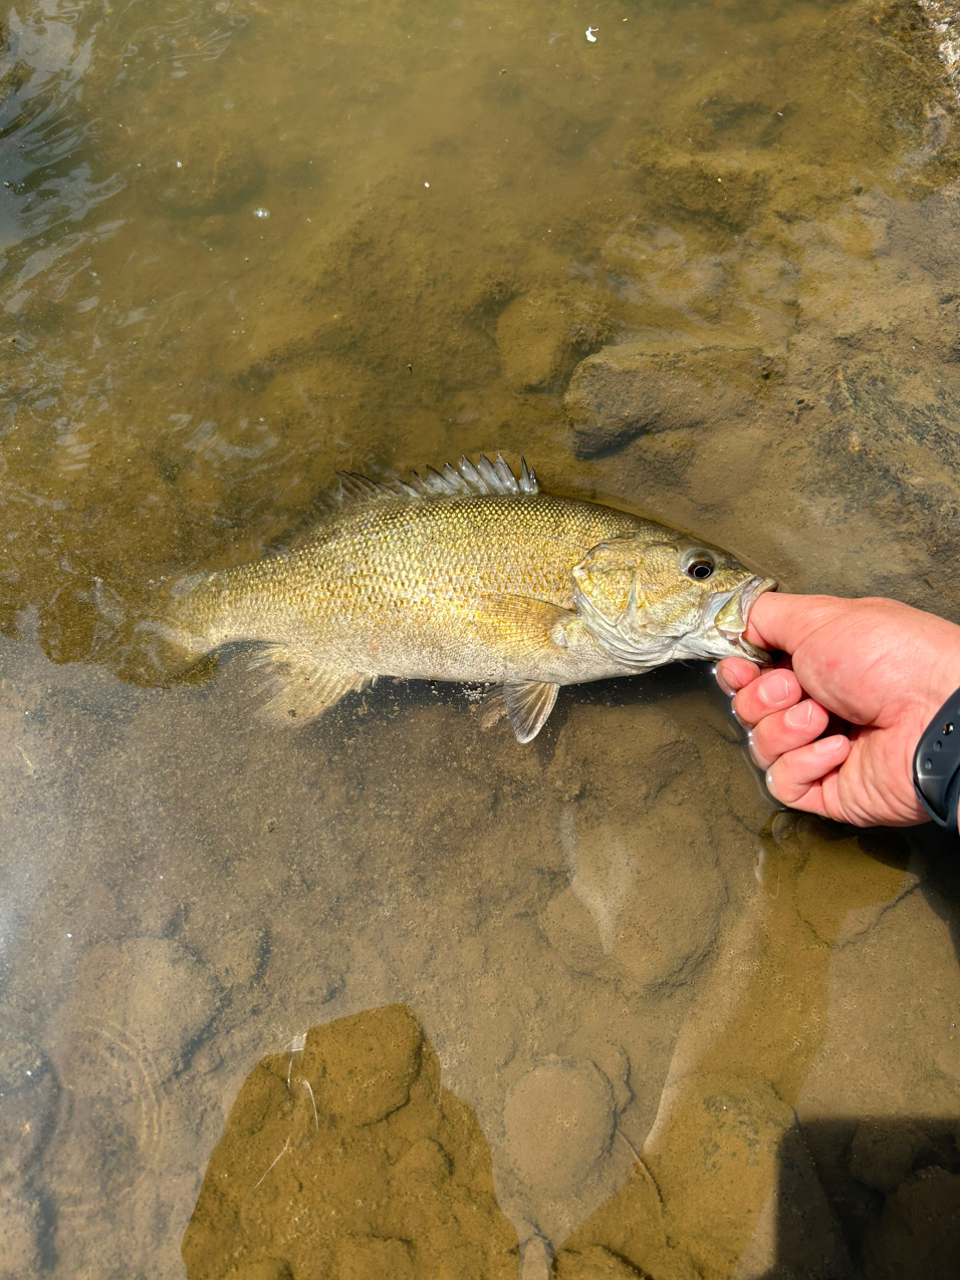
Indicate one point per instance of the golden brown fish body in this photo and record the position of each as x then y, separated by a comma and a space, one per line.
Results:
471, 575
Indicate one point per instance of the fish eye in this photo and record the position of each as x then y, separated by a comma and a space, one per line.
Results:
700, 566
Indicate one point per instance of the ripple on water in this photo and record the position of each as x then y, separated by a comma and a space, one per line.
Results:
110, 1121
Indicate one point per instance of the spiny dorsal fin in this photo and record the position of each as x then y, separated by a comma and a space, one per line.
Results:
464, 480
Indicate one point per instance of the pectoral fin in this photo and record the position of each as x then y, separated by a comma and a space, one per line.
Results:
301, 687
523, 627
527, 705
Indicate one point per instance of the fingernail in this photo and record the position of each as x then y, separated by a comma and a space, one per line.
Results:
729, 684
827, 746
752, 751
773, 690
798, 717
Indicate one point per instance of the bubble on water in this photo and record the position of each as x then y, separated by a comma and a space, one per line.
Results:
261, 213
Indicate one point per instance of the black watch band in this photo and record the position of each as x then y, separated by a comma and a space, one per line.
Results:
936, 764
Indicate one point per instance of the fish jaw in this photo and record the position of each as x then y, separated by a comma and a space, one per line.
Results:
731, 617
711, 630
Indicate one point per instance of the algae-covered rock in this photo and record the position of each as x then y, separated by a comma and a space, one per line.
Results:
346, 1158
718, 192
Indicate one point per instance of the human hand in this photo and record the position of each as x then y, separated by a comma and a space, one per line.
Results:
880, 666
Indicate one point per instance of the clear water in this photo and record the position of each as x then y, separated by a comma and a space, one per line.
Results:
665, 1029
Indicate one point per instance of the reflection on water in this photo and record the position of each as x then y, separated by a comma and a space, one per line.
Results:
586, 1008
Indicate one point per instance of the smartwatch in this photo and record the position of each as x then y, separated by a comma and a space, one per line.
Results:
936, 765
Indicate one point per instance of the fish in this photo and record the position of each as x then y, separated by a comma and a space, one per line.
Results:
474, 574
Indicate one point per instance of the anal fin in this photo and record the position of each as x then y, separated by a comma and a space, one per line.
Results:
528, 706
301, 686
492, 708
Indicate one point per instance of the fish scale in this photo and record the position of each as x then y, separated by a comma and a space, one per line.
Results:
469, 574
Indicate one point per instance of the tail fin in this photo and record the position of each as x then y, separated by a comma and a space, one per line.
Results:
183, 615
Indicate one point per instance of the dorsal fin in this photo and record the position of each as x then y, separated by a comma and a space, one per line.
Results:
463, 481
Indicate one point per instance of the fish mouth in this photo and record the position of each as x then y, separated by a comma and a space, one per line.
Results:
731, 617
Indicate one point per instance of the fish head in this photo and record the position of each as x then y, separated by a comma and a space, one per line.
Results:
659, 595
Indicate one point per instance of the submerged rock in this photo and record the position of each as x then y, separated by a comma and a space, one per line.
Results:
206, 174
622, 392
919, 1234
346, 1158
717, 192
891, 445
559, 1120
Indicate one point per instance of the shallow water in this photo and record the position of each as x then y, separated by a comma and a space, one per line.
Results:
389, 995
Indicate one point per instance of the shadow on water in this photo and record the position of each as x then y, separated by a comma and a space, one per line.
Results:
388, 988
876, 1197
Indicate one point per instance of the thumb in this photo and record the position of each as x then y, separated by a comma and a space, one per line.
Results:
781, 621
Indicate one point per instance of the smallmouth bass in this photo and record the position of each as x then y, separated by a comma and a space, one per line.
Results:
470, 574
